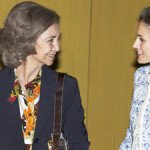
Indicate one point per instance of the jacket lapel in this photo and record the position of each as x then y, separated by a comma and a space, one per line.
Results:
15, 122
47, 95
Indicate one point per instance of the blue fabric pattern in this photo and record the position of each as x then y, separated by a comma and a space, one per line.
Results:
138, 133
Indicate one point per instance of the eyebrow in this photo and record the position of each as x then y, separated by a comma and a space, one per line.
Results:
139, 35
53, 36
50, 37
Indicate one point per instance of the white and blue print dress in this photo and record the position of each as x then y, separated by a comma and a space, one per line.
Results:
138, 133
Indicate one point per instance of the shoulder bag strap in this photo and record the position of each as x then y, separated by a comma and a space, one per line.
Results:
58, 111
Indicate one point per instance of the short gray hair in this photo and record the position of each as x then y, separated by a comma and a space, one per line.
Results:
23, 25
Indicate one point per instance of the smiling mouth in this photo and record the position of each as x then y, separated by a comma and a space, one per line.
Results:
51, 56
140, 55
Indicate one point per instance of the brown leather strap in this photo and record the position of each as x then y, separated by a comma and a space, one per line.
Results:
27, 146
58, 112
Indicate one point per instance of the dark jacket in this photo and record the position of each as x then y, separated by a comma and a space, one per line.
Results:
11, 137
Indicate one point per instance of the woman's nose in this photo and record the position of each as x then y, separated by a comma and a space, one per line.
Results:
136, 43
56, 47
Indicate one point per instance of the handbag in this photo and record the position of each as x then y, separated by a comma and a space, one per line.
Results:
57, 141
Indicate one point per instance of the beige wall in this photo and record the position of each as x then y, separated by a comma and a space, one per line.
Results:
97, 38
111, 72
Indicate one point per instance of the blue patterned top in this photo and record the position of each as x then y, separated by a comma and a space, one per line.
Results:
138, 133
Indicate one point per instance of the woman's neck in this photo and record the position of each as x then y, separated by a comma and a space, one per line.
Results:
26, 72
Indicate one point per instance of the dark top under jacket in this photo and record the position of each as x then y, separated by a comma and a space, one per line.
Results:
11, 137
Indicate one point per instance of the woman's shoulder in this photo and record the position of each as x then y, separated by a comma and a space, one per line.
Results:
5, 71
69, 79
143, 70
141, 74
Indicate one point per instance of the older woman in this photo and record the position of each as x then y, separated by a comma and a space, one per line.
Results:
138, 133
29, 43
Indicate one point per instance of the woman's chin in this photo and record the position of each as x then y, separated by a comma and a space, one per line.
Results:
142, 61
49, 63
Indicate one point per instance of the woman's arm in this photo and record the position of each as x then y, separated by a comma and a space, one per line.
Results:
74, 128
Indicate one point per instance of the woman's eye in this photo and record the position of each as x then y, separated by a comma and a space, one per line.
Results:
141, 39
51, 40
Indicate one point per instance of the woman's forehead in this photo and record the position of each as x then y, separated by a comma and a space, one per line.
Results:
52, 31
